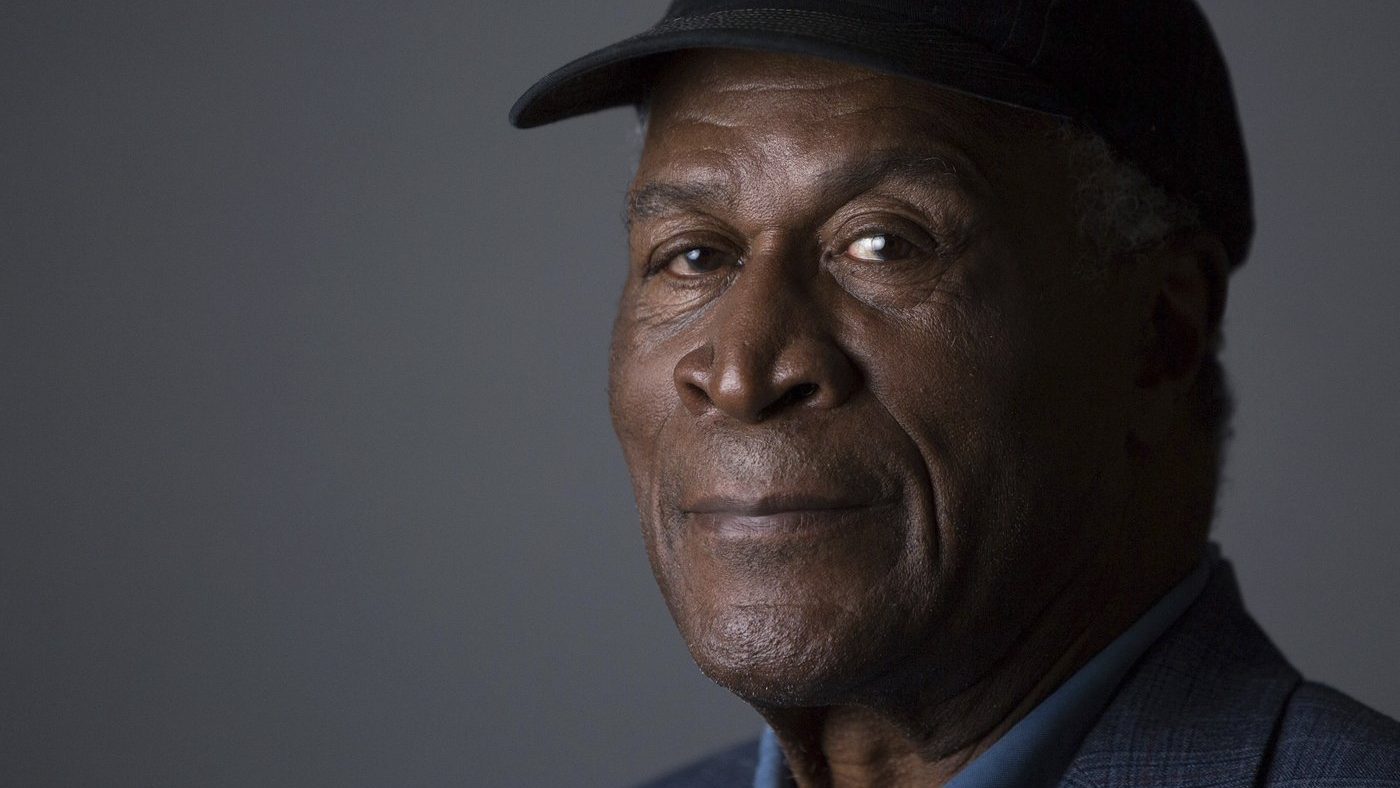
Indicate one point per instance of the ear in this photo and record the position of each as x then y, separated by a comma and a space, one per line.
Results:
1187, 283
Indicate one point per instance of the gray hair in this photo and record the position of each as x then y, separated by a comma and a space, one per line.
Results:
1121, 211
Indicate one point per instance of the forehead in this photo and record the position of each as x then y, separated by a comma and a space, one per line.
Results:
726, 114
724, 82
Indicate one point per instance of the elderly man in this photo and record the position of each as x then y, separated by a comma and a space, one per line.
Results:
915, 374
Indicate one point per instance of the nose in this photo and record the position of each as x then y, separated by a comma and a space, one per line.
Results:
767, 351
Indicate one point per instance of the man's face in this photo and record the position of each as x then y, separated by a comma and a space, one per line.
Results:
873, 411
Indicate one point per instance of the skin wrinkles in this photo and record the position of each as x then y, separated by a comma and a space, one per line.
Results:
896, 184
789, 78
652, 200
949, 426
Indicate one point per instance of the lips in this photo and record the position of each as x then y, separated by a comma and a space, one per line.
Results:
771, 515
788, 477
771, 503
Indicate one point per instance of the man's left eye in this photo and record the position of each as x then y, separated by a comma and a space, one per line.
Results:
880, 248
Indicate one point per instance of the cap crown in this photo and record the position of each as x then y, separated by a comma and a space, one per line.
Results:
1146, 74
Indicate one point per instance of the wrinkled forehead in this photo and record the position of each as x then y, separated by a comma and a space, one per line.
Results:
742, 80
798, 116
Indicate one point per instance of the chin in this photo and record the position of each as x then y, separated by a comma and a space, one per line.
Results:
804, 612
785, 656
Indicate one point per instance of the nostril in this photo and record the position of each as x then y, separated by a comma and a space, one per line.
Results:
694, 397
793, 396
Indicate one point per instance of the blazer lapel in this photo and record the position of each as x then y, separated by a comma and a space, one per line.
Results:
1199, 709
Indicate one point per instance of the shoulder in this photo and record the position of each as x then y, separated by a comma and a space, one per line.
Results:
731, 768
1327, 738
1213, 702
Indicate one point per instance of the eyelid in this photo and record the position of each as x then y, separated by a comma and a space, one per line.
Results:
922, 239
666, 252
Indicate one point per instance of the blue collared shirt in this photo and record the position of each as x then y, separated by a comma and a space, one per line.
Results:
1036, 750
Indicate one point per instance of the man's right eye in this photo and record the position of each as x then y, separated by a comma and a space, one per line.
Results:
697, 261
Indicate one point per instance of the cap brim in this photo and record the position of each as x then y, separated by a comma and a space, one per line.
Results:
620, 74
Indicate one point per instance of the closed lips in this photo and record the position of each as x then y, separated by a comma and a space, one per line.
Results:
769, 504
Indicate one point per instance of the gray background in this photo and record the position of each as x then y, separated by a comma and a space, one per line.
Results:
305, 471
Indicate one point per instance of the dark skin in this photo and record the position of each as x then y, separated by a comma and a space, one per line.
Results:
902, 466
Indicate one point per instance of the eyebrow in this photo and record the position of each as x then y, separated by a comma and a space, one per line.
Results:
659, 198
865, 174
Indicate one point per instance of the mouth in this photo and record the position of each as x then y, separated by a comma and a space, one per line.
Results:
774, 515
772, 504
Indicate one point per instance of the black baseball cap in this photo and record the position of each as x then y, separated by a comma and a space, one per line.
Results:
1147, 75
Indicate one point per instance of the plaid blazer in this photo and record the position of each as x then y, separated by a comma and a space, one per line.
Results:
1211, 703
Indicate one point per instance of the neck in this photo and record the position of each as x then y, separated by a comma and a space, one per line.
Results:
901, 738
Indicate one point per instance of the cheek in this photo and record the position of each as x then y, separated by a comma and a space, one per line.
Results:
1010, 404
641, 398
951, 372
